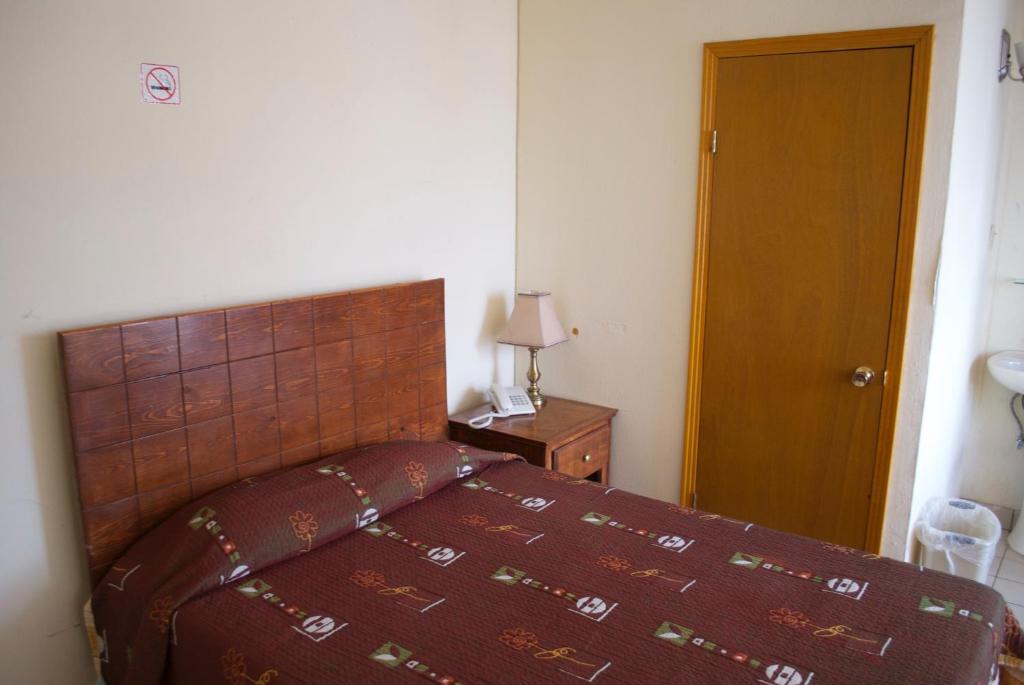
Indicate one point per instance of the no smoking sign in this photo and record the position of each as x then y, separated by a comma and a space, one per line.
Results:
160, 84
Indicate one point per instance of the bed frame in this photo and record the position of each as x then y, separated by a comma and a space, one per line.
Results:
164, 410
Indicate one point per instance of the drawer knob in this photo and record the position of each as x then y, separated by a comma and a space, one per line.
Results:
586, 457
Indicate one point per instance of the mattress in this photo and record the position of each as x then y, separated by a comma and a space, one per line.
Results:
439, 562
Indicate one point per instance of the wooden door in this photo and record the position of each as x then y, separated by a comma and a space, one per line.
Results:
800, 273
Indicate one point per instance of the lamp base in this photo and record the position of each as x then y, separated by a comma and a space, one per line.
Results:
533, 375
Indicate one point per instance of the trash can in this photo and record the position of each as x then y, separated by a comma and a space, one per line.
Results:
958, 537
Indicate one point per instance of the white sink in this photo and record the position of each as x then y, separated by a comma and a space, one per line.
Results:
1008, 368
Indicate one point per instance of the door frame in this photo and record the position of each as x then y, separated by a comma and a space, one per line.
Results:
919, 38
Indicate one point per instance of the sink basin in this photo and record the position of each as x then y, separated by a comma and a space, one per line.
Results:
1008, 368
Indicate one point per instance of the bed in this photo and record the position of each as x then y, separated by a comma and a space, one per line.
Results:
268, 497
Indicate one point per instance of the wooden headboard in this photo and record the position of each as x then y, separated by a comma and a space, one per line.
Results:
164, 410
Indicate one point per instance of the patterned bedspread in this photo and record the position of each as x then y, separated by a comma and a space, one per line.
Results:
410, 562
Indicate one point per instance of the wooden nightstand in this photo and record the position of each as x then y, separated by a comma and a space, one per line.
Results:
572, 437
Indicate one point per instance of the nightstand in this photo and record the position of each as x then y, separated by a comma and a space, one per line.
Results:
574, 438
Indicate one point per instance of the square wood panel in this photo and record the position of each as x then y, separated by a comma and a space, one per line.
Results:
202, 339
160, 460
211, 446
170, 408
150, 348
207, 393
293, 324
92, 358
253, 383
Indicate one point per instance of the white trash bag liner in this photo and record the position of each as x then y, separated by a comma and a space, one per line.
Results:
958, 537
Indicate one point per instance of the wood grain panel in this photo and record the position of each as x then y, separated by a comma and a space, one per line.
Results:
296, 374
250, 331
157, 505
716, 57
337, 411
332, 318
108, 475
300, 455
369, 354
211, 446
298, 422
92, 358
371, 402
202, 339
802, 263
256, 434
434, 422
156, 405
253, 383
99, 417
293, 324
403, 349
169, 408
404, 427
334, 365
337, 443
160, 460
403, 392
368, 311
431, 343
207, 393
213, 481
258, 467
368, 435
109, 530
150, 348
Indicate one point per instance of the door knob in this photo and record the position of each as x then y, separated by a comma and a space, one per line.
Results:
862, 375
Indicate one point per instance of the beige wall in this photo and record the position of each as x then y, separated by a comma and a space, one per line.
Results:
608, 129
320, 145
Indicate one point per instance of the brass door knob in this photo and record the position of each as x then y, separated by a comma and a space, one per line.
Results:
586, 457
862, 375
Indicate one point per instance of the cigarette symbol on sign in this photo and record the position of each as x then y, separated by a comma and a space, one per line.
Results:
160, 84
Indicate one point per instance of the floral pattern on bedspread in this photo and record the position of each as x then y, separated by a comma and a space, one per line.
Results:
230, 535
501, 573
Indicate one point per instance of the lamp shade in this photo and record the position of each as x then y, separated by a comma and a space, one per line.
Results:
533, 322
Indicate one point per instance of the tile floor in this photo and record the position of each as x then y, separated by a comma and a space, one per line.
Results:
1008, 576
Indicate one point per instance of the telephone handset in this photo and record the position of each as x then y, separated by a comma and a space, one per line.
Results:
511, 401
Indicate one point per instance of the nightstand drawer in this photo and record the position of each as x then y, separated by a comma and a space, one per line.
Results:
559, 436
584, 455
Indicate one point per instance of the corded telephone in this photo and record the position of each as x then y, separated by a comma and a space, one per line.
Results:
511, 401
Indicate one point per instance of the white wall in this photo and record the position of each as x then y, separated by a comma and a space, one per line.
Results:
320, 145
956, 367
994, 470
608, 130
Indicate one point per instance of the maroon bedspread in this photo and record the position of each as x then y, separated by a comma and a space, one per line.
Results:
515, 575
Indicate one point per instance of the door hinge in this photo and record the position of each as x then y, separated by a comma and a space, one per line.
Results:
714, 142
693, 500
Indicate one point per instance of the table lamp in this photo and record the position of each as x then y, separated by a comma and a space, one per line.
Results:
533, 324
